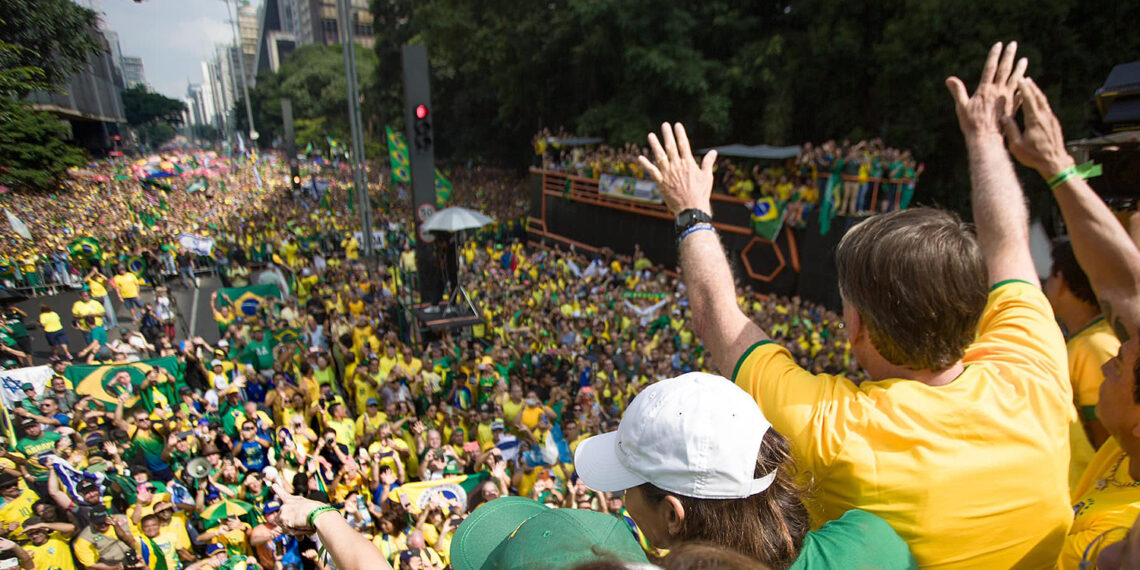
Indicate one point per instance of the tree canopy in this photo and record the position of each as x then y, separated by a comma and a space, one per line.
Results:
313, 78
144, 107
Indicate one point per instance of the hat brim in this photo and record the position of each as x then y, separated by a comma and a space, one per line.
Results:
596, 461
482, 531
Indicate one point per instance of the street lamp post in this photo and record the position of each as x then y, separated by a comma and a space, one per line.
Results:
359, 176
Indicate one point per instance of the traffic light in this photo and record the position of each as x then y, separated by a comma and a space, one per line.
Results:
422, 129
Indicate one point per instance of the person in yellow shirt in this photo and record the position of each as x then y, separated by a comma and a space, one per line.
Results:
48, 544
127, 286
17, 507
97, 284
53, 330
1091, 342
965, 384
87, 307
351, 248
368, 424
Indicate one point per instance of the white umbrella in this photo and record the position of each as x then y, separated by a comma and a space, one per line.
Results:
454, 220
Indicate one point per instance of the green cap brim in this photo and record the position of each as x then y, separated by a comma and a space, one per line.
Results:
560, 539
487, 526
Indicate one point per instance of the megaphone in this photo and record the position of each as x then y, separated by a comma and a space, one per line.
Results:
198, 468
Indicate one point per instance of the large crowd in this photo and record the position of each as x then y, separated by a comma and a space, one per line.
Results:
580, 422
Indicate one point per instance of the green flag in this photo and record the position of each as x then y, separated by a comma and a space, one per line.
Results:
767, 217
442, 190
398, 156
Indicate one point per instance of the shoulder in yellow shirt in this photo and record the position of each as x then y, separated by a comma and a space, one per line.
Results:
993, 445
1105, 502
1088, 349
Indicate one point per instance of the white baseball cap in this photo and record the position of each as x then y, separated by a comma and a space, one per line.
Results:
696, 435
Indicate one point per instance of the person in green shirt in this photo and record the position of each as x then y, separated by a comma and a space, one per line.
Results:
259, 351
36, 442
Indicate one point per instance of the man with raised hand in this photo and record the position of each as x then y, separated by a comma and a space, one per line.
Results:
1107, 497
959, 439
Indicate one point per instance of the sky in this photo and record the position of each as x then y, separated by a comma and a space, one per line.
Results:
171, 36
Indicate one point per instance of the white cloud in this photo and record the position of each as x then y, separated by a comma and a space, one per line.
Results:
171, 36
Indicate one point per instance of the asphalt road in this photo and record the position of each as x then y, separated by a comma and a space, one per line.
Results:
202, 318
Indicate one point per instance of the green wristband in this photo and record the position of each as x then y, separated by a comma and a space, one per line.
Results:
1084, 171
312, 519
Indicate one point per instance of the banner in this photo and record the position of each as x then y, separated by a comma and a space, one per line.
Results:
106, 382
629, 188
767, 217
198, 245
451, 489
398, 156
21, 229
37, 376
643, 295
248, 300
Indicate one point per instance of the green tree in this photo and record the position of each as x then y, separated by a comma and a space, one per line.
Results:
313, 79
42, 44
144, 107
33, 153
56, 36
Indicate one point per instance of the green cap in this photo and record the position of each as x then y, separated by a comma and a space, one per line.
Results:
515, 532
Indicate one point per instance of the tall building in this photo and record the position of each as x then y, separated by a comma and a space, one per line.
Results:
276, 39
247, 20
116, 53
133, 72
317, 22
90, 103
195, 105
210, 94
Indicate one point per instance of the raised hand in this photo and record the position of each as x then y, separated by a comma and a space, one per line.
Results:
684, 183
981, 114
1041, 146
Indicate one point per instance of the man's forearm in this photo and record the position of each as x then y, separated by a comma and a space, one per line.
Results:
1106, 253
717, 319
1000, 213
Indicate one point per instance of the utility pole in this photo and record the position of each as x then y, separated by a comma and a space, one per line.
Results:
253, 135
359, 175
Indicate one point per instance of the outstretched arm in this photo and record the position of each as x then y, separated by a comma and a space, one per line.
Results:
1000, 212
1103, 247
723, 328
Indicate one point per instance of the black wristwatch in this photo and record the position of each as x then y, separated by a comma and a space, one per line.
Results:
689, 218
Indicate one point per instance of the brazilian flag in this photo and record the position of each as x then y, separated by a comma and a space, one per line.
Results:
105, 382
442, 190
422, 493
136, 265
767, 217
398, 156
198, 185
86, 248
248, 300
286, 335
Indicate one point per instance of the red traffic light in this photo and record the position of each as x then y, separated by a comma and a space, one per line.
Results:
421, 111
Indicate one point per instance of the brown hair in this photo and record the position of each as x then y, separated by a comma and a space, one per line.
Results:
918, 281
769, 526
705, 556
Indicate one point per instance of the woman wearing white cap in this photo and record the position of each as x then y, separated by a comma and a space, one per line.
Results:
699, 462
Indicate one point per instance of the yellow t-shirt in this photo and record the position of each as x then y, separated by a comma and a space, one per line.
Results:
1088, 349
127, 284
86, 309
952, 467
50, 322
17, 511
53, 554
1109, 511
97, 287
